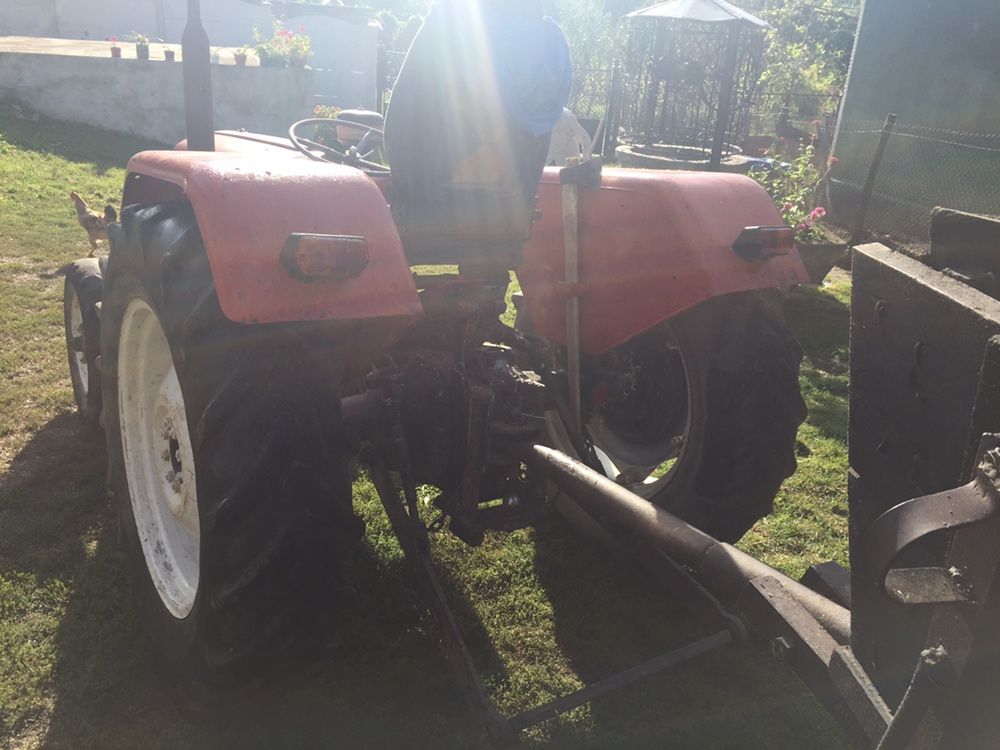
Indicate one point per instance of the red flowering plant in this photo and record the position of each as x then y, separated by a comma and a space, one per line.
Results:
285, 47
792, 187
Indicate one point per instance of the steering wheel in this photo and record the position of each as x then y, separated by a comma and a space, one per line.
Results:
354, 156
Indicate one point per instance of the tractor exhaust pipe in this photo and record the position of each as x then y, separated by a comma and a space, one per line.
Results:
197, 61
721, 568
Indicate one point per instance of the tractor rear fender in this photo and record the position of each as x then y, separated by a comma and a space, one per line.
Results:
247, 207
652, 244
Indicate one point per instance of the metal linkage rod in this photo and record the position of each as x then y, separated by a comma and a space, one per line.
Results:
721, 568
622, 679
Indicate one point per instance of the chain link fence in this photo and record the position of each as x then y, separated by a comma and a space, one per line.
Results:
588, 99
922, 167
801, 111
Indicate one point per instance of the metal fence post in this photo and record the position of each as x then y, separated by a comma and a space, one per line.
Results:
866, 194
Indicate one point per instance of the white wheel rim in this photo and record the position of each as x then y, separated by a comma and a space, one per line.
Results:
159, 460
78, 347
649, 485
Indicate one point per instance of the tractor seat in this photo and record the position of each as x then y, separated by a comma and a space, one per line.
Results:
467, 130
465, 223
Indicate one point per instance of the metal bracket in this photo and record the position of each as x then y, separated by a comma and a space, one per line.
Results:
809, 649
859, 694
933, 676
831, 580
913, 520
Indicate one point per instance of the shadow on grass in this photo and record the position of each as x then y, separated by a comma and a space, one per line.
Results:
821, 324
737, 697
381, 681
72, 141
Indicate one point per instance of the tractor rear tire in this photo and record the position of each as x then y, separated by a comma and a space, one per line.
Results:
234, 496
737, 378
82, 294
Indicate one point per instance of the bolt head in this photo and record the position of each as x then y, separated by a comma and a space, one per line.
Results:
781, 647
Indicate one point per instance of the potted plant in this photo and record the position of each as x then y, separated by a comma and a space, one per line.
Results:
326, 134
793, 187
299, 48
116, 51
270, 52
240, 55
282, 49
142, 44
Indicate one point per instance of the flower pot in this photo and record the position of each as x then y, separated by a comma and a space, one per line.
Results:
271, 61
116, 52
142, 51
169, 55
240, 58
298, 61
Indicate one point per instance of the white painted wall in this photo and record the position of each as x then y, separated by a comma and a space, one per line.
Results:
348, 50
100, 19
146, 98
28, 18
229, 23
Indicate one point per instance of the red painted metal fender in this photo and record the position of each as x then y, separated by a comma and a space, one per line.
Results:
249, 200
652, 244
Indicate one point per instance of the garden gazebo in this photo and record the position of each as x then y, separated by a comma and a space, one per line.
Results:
691, 71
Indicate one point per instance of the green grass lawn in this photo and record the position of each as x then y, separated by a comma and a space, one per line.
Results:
545, 610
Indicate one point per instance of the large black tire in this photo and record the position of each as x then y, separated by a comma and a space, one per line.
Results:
736, 380
273, 487
82, 292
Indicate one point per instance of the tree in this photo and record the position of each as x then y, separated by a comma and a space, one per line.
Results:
810, 44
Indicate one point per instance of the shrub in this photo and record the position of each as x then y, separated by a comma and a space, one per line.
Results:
792, 186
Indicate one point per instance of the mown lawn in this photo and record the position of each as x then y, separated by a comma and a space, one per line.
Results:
544, 609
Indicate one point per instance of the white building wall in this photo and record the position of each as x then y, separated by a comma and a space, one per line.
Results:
348, 51
28, 18
146, 98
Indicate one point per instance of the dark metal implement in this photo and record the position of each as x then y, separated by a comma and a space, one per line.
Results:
413, 537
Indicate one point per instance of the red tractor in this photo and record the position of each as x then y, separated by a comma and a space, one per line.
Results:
274, 315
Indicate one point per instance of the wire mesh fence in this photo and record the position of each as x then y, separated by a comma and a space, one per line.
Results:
801, 111
588, 98
922, 167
